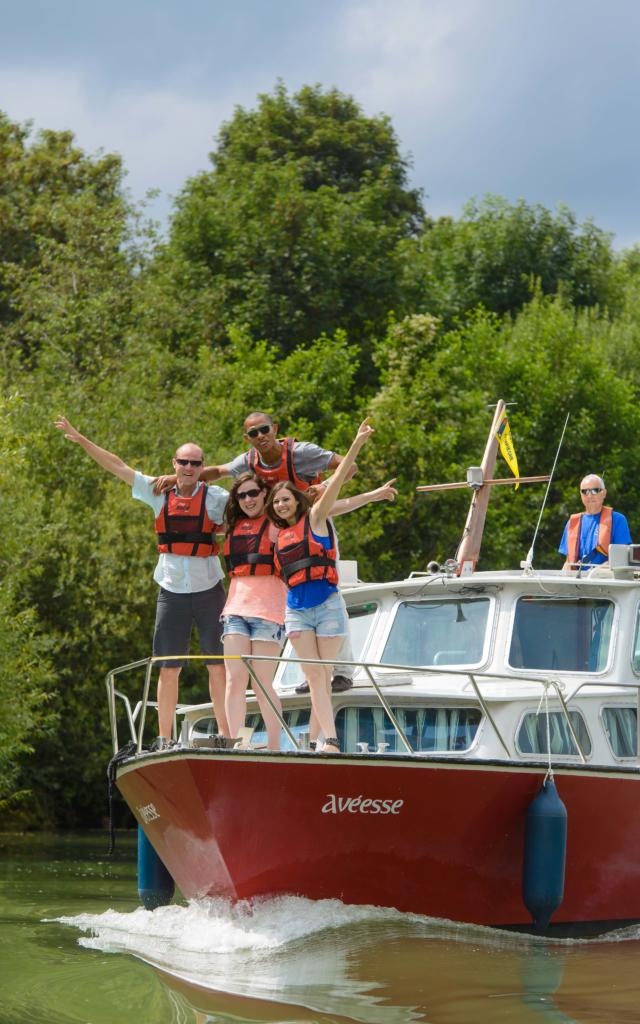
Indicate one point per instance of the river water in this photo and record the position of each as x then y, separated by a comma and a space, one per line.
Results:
75, 948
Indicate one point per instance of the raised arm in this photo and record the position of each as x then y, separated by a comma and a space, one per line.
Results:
385, 493
322, 508
107, 460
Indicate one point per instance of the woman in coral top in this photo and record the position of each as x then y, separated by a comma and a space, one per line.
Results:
306, 557
253, 615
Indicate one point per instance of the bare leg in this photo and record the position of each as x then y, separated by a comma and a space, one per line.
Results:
329, 648
237, 679
167, 700
216, 692
265, 671
307, 645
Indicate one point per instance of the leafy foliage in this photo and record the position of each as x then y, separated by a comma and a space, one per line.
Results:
498, 252
295, 231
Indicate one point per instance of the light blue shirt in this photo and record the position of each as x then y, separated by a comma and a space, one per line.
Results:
182, 574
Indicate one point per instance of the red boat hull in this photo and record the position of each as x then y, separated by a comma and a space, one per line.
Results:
444, 839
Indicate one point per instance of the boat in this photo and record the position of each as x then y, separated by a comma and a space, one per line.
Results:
474, 692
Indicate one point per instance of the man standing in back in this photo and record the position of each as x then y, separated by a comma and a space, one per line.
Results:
188, 571
271, 458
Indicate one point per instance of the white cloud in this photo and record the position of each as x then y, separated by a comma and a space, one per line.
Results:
402, 54
163, 135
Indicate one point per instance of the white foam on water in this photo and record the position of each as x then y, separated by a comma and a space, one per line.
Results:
217, 926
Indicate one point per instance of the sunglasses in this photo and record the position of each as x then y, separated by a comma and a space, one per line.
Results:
189, 462
591, 490
253, 493
256, 431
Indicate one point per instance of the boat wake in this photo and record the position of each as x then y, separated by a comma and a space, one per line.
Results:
218, 927
361, 962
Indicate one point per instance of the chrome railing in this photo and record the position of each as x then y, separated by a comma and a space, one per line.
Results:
136, 718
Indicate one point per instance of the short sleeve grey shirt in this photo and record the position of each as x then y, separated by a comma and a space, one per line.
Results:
308, 459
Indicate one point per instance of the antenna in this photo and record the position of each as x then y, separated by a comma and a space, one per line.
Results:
527, 565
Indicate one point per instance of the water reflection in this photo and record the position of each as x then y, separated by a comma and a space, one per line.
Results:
291, 959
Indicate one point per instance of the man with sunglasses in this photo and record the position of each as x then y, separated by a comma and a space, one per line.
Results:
188, 570
587, 535
274, 458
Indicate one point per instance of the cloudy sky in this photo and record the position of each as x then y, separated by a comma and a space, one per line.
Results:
524, 98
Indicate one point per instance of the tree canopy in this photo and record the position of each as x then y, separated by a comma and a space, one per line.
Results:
295, 231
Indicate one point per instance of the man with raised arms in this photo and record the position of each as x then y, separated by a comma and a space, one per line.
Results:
587, 535
188, 571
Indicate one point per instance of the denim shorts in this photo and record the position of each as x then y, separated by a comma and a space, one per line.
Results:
255, 629
326, 619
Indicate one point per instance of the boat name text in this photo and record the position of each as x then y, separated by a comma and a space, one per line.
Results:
356, 805
148, 813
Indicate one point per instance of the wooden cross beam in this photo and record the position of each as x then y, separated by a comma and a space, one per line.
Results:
467, 483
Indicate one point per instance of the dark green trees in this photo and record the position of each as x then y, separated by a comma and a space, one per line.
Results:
498, 252
295, 231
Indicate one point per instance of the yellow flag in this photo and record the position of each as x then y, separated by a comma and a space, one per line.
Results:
503, 434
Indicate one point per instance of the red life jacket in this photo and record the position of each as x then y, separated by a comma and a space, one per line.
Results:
604, 534
299, 558
183, 525
285, 470
249, 549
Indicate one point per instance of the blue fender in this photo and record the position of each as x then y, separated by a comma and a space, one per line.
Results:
155, 884
545, 854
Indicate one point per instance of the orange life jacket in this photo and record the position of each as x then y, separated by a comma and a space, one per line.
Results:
285, 470
249, 549
299, 558
183, 525
604, 533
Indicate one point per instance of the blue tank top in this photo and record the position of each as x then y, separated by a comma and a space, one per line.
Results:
313, 593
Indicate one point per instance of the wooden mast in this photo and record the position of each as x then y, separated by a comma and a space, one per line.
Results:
469, 550
480, 479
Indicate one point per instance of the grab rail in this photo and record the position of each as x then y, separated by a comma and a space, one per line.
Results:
136, 728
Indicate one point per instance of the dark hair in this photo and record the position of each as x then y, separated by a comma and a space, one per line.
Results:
302, 499
233, 510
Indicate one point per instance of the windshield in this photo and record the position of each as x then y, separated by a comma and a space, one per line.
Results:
426, 633
566, 635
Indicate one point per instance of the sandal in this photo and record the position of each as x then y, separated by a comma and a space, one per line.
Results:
331, 741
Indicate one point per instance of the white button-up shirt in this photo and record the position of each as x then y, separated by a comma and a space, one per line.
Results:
182, 574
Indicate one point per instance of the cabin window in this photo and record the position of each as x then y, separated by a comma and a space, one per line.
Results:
431, 633
297, 720
561, 635
427, 729
361, 618
532, 734
621, 728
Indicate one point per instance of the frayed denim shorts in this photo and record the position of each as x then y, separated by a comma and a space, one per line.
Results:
326, 619
254, 628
